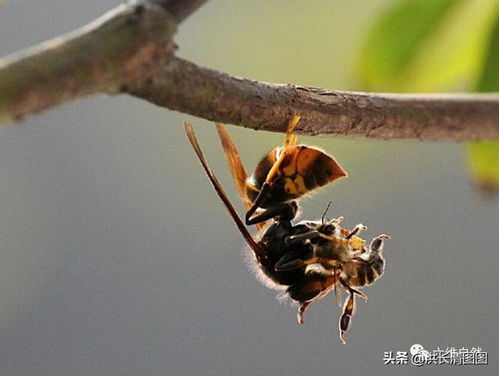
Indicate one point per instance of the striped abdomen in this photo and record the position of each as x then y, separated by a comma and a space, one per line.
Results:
302, 170
363, 273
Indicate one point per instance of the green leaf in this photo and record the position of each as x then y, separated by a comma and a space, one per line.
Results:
483, 157
396, 37
439, 45
483, 162
489, 80
428, 46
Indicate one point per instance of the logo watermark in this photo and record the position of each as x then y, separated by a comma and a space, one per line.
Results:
418, 356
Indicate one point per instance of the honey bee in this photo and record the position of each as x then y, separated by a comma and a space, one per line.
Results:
283, 175
306, 260
338, 259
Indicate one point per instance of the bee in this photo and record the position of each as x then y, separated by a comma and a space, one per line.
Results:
336, 255
282, 176
306, 260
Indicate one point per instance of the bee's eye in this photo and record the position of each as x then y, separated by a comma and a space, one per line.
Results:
329, 229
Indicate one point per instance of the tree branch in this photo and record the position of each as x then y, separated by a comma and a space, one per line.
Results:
116, 49
185, 87
130, 50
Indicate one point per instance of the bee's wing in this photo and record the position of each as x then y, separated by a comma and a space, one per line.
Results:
337, 294
260, 255
236, 166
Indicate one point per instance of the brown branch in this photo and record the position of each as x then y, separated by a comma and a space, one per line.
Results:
99, 57
185, 87
130, 50
115, 50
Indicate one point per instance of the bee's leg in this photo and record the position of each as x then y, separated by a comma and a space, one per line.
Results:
301, 311
305, 292
286, 210
359, 293
360, 227
378, 243
375, 250
355, 291
316, 268
293, 239
337, 290
337, 294
346, 316
373, 266
373, 259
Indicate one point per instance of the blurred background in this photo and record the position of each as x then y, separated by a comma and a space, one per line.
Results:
117, 257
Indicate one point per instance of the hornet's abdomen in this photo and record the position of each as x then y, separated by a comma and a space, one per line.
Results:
302, 170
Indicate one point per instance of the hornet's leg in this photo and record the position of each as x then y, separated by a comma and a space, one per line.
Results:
291, 138
290, 261
262, 195
293, 262
285, 210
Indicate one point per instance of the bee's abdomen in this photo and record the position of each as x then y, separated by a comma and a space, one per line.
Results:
310, 288
379, 266
364, 274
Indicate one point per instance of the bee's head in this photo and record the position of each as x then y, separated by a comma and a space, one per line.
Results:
331, 228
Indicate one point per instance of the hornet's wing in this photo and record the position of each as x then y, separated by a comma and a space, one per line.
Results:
236, 166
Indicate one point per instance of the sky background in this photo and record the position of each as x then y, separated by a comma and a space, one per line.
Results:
117, 257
